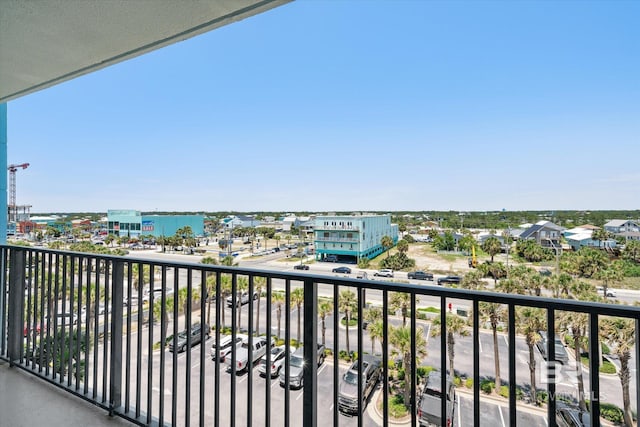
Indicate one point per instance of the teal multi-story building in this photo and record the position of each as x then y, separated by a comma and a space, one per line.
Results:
132, 223
351, 237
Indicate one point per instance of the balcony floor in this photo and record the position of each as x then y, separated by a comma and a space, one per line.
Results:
28, 401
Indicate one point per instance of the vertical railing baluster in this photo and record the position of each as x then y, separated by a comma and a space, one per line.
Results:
250, 354
476, 363
16, 303
216, 365
385, 358
414, 366
360, 303
512, 365
188, 327
174, 354
204, 301
336, 351
267, 378
443, 355
552, 365
310, 371
234, 309
287, 339
115, 369
594, 369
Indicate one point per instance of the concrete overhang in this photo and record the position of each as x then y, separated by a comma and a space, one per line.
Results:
46, 42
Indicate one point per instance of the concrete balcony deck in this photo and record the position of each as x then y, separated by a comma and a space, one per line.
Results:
27, 401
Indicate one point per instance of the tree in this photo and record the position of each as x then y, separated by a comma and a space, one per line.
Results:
346, 304
401, 301
492, 246
297, 298
600, 235
466, 243
494, 313
400, 339
387, 243
277, 298
372, 315
609, 275
456, 325
325, 308
529, 321
631, 251
242, 285
258, 285
403, 246
621, 335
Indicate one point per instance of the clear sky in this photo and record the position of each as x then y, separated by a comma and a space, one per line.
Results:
352, 105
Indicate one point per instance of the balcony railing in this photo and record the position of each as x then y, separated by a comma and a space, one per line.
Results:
84, 323
337, 227
337, 239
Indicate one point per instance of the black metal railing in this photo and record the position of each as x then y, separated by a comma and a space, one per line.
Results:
107, 329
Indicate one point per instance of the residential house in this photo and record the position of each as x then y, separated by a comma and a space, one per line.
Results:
545, 233
628, 229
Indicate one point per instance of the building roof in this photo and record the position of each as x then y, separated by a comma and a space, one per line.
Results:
617, 222
539, 226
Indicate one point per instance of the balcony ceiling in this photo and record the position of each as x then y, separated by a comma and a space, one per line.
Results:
43, 43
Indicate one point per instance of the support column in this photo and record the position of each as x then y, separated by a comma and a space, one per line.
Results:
3, 174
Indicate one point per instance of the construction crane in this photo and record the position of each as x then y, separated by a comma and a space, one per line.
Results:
13, 208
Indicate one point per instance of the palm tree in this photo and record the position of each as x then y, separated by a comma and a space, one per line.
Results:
473, 281
347, 303
493, 313
609, 275
372, 315
529, 321
400, 339
277, 298
225, 291
401, 301
456, 325
403, 246
241, 286
387, 243
621, 335
492, 246
376, 332
258, 285
297, 298
325, 308
577, 324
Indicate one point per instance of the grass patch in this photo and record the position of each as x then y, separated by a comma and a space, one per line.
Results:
396, 407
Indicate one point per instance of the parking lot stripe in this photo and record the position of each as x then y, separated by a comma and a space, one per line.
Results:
501, 417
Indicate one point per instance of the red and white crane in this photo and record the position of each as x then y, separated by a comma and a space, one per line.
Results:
13, 212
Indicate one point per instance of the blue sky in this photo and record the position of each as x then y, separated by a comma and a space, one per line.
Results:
352, 105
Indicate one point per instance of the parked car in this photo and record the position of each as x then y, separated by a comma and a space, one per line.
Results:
385, 272
610, 292
348, 387
567, 416
296, 367
179, 342
277, 361
453, 280
301, 267
419, 275
244, 352
342, 270
244, 298
561, 355
226, 343
429, 406
331, 258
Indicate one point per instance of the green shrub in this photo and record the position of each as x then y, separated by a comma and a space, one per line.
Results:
504, 391
611, 413
607, 367
487, 386
423, 371
401, 374
457, 381
396, 406
468, 383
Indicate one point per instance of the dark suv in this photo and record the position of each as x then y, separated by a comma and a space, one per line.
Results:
572, 417
430, 406
348, 388
420, 275
454, 280
179, 342
561, 354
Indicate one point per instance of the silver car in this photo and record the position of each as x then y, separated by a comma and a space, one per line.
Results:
277, 361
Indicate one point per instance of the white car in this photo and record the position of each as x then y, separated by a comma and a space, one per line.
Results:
385, 272
277, 361
223, 350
